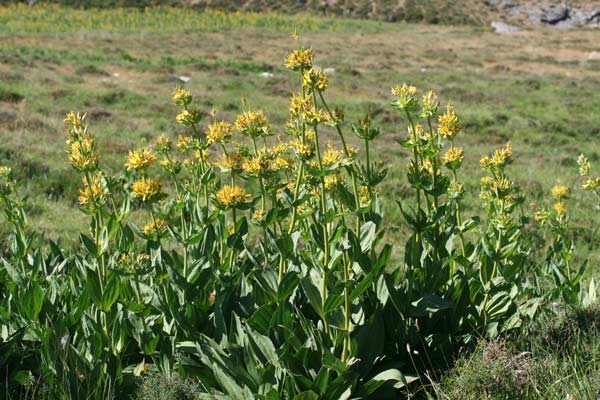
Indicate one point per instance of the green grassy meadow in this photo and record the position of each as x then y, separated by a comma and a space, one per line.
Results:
537, 89
540, 90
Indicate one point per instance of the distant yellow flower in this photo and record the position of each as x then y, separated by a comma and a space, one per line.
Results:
147, 189
218, 132
159, 226
140, 160
559, 191
181, 97
315, 79
232, 196
299, 59
93, 191
560, 208
449, 123
252, 123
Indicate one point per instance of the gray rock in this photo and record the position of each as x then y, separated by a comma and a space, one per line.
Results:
501, 27
553, 14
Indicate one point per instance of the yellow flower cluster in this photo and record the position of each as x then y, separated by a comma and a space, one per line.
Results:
189, 117
163, 144
218, 132
499, 159
299, 59
146, 189
231, 161
252, 123
453, 158
140, 159
82, 153
449, 123
232, 196
314, 116
559, 191
332, 156
4, 171
159, 226
93, 191
181, 97
315, 79
299, 104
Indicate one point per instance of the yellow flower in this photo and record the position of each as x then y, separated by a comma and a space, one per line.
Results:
584, 165
332, 181
93, 191
231, 161
159, 226
299, 59
171, 166
404, 91
218, 132
4, 171
501, 186
140, 160
252, 123
257, 165
406, 97
315, 79
560, 208
283, 162
559, 191
449, 123
591, 184
314, 117
299, 103
181, 97
232, 196
163, 144
259, 215
82, 153
147, 189
430, 104
453, 158
189, 117
332, 156
499, 159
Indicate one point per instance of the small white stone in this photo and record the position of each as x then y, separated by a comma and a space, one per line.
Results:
116, 74
329, 70
266, 74
184, 79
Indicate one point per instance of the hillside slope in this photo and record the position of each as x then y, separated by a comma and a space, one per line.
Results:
556, 13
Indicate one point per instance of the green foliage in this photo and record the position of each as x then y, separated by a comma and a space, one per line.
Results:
262, 269
556, 359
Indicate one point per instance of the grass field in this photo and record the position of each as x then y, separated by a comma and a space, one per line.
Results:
537, 89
